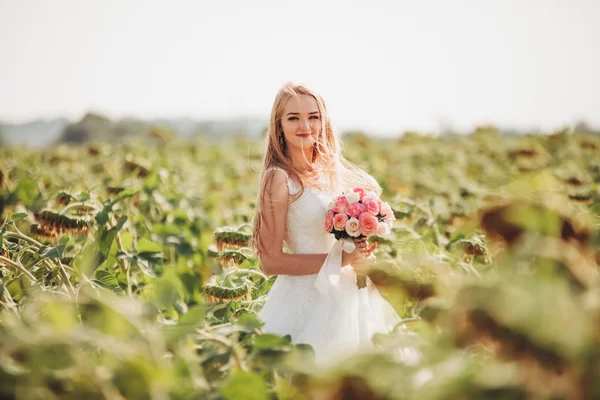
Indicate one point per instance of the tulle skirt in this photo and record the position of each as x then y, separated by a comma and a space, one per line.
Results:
336, 323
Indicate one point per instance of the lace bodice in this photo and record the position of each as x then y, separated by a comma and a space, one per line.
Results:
305, 233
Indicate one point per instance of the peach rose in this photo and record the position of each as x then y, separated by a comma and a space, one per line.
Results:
339, 222
329, 221
353, 227
368, 223
371, 205
355, 209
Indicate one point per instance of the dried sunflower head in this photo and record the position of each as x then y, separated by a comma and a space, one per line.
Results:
63, 198
217, 294
114, 189
230, 239
51, 224
4, 254
41, 232
93, 151
229, 258
132, 166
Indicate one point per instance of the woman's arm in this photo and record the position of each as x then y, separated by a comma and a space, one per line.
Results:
274, 208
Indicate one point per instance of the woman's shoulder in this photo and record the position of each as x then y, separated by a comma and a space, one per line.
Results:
275, 168
277, 175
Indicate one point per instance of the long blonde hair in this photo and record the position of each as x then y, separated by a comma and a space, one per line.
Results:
327, 156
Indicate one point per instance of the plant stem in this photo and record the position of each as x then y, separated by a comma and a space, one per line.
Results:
244, 272
66, 277
124, 268
18, 266
236, 352
62, 271
23, 237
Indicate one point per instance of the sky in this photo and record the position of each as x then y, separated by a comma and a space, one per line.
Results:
381, 66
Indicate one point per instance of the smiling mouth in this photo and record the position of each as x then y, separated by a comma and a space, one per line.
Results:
305, 135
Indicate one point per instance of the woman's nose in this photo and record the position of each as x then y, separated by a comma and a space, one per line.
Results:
305, 125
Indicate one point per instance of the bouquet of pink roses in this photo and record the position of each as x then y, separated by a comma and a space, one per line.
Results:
355, 214
358, 213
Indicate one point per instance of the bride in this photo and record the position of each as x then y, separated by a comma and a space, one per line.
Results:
315, 298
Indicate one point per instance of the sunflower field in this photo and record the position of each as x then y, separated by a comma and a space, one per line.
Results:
125, 272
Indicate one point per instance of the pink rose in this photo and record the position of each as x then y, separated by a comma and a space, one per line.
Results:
385, 209
383, 229
339, 222
340, 205
355, 209
361, 192
353, 227
368, 223
389, 219
371, 205
329, 221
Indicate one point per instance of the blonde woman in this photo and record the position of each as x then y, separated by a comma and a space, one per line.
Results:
303, 170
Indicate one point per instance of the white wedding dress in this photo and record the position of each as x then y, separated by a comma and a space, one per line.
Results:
325, 310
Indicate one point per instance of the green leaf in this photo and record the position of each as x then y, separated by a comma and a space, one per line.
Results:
167, 291
108, 237
144, 245
27, 191
1, 289
191, 282
17, 216
126, 240
249, 321
151, 182
55, 252
107, 280
124, 195
180, 307
245, 385
145, 267
268, 341
102, 217
187, 323
194, 316
265, 286
83, 196
64, 240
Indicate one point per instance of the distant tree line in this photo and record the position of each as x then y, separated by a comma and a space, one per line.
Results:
98, 128
95, 127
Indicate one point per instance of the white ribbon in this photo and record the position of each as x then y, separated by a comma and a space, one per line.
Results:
329, 275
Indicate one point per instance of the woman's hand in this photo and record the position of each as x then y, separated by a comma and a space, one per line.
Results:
361, 251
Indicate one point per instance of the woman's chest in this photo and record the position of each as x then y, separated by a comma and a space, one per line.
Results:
308, 212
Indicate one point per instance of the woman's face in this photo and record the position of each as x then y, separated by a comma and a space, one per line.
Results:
301, 121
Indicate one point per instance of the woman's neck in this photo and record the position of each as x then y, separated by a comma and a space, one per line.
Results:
302, 159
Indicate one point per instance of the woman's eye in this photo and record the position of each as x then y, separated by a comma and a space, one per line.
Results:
314, 117
292, 118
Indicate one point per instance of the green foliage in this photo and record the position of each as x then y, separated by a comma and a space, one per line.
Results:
126, 271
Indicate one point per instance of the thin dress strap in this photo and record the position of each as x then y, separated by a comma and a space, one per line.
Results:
287, 176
